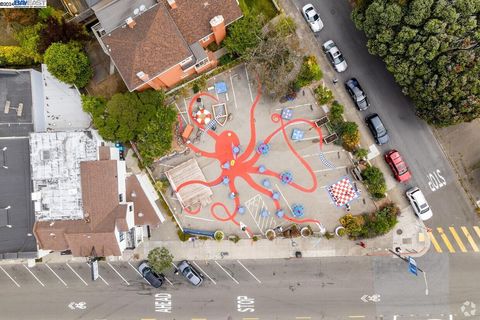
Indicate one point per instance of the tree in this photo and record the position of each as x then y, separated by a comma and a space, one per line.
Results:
142, 117
309, 72
243, 35
350, 135
160, 259
323, 95
28, 38
375, 182
14, 56
58, 30
432, 47
68, 63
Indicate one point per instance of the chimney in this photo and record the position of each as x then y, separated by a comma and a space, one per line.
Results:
130, 22
143, 76
172, 4
218, 28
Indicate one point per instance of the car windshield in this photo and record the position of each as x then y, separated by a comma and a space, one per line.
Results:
315, 17
402, 168
425, 210
186, 271
338, 59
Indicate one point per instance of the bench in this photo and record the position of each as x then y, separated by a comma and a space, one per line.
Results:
7, 107
320, 122
330, 138
19, 109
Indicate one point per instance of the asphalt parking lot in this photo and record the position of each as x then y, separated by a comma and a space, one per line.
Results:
123, 274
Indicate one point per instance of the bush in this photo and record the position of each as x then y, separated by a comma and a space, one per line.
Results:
243, 35
69, 63
160, 259
225, 59
350, 135
219, 235
361, 153
14, 56
285, 26
371, 225
183, 236
323, 95
375, 182
352, 224
336, 113
199, 84
309, 72
234, 238
255, 238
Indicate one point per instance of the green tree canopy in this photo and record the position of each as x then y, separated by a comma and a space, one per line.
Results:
69, 63
160, 259
244, 35
432, 49
142, 117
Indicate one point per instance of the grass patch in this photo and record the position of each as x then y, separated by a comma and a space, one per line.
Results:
256, 7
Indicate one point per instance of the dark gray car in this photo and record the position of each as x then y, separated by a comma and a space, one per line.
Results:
377, 128
156, 280
358, 95
189, 272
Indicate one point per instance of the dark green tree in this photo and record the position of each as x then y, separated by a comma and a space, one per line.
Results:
141, 117
243, 35
69, 63
432, 49
59, 30
160, 259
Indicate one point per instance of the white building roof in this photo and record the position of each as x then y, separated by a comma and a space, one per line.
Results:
55, 159
63, 105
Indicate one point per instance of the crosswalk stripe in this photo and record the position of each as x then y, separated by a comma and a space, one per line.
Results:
470, 239
435, 243
445, 240
457, 238
477, 230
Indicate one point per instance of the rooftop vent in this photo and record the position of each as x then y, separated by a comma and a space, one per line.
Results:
142, 8
130, 22
172, 4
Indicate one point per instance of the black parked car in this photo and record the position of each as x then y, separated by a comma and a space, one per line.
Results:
377, 128
357, 94
156, 280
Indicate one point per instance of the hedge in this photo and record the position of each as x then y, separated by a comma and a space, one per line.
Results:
14, 56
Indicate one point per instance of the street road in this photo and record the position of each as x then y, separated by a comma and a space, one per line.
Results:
408, 134
327, 288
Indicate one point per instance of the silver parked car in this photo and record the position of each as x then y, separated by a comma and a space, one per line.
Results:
312, 17
189, 272
334, 56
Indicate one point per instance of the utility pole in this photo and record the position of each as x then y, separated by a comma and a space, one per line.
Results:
409, 261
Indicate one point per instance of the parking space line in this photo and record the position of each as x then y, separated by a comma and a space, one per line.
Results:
118, 274
248, 83
457, 239
470, 239
186, 110
169, 282
10, 277
285, 199
180, 112
138, 272
477, 230
435, 243
295, 107
79, 277
249, 271
218, 264
203, 272
445, 240
61, 280
233, 91
103, 280
33, 275
329, 169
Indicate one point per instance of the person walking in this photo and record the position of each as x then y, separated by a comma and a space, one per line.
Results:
362, 244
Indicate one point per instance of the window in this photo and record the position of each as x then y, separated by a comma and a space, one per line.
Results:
122, 236
202, 63
186, 60
130, 208
205, 39
120, 197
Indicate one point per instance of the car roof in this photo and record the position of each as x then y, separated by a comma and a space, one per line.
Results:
375, 120
417, 194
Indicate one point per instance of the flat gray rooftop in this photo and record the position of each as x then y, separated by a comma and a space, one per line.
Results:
16, 208
15, 188
15, 86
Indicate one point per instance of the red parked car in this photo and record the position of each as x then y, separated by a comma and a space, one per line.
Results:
399, 168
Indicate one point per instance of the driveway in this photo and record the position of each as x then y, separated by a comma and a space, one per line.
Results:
411, 136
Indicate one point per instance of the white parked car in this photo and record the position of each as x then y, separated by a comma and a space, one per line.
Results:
419, 203
334, 56
312, 17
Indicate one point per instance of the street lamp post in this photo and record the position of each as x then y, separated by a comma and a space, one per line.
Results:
408, 261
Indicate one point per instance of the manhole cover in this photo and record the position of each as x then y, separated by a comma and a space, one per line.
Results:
399, 231
333, 11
